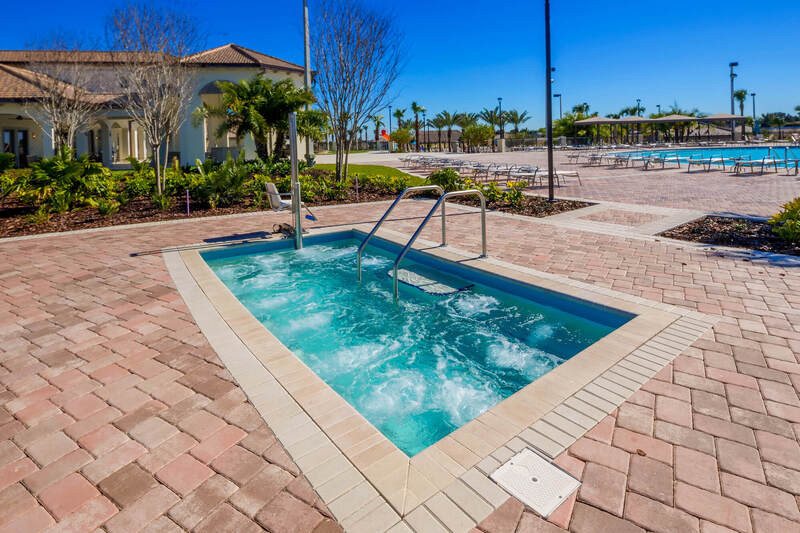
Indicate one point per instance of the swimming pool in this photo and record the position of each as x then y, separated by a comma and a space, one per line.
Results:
419, 369
753, 153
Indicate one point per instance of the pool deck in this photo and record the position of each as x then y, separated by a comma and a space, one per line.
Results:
117, 413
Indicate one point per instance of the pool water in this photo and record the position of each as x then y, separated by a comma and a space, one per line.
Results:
753, 153
420, 368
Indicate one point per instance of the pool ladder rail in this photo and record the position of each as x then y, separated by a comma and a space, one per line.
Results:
440, 202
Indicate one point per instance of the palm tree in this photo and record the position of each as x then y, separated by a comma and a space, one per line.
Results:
416, 109
581, 109
740, 96
517, 118
780, 122
450, 120
465, 120
398, 114
439, 123
378, 121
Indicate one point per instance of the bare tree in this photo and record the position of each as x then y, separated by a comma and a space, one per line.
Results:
357, 54
66, 104
148, 44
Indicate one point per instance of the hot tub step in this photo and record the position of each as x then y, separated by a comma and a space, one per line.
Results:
428, 285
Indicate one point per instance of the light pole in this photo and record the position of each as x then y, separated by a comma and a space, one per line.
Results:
307, 71
548, 102
390, 129
425, 125
753, 96
638, 107
560, 115
500, 116
659, 108
733, 123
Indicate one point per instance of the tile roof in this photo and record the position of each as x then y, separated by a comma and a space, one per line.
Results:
59, 56
235, 55
20, 83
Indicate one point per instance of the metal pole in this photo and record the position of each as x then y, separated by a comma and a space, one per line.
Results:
296, 200
549, 103
307, 70
753, 96
390, 130
500, 116
733, 122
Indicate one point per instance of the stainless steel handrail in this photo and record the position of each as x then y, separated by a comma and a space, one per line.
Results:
439, 202
386, 214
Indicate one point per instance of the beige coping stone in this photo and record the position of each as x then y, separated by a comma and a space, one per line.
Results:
605, 394
468, 500
419, 488
457, 451
595, 401
609, 385
503, 454
440, 469
353, 500
641, 366
627, 378
485, 487
449, 513
556, 420
478, 438
585, 409
541, 443
330, 470
366, 508
553, 433
400, 527
316, 457
576, 417
378, 520
370, 441
488, 464
372, 454
499, 423
422, 521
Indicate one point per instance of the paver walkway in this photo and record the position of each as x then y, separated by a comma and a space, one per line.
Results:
115, 413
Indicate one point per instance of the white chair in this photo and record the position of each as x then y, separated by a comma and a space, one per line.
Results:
275, 201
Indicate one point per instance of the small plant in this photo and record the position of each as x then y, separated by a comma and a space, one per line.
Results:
6, 162
164, 201
786, 223
105, 206
513, 196
41, 216
447, 178
492, 192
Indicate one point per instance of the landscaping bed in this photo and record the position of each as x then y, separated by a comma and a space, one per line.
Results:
735, 232
531, 206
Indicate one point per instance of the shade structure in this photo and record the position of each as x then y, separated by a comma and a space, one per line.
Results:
722, 116
674, 118
595, 120
632, 120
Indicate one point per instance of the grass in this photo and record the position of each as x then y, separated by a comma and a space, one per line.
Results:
374, 170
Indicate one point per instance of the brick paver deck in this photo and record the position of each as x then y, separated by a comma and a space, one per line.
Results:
116, 413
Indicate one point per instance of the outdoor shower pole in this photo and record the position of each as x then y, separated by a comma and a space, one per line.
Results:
296, 201
549, 103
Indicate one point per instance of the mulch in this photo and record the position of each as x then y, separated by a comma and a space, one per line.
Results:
15, 222
734, 232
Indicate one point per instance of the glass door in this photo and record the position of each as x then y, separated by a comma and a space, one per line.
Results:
22, 148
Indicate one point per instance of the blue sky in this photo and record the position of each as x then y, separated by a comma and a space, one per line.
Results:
462, 55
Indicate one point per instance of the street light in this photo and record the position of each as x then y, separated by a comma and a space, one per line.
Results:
390, 130
733, 123
425, 125
500, 116
560, 115
659, 108
638, 101
753, 96
548, 103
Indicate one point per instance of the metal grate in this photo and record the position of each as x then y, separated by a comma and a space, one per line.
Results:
535, 481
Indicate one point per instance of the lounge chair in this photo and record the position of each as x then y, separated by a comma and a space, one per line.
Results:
275, 201
752, 164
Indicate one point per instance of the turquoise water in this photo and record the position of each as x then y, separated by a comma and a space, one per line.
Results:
421, 368
754, 153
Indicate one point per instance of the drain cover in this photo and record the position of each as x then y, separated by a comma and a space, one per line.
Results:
536, 482
428, 285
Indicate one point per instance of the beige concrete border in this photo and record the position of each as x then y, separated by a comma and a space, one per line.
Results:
366, 481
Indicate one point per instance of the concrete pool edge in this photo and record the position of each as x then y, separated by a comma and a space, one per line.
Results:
362, 477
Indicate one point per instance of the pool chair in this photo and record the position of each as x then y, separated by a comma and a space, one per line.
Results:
698, 160
275, 201
766, 162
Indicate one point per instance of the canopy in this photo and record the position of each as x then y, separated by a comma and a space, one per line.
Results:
595, 120
723, 116
675, 118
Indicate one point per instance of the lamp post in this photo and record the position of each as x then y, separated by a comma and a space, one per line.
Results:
500, 116
548, 103
638, 107
659, 108
307, 71
733, 75
425, 127
753, 96
560, 115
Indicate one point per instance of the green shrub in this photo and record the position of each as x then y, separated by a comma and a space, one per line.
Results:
41, 216
786, 223
63, 180
164, 201
513, 196
224, 185
382, 184
447, 178
105, 206
6, 162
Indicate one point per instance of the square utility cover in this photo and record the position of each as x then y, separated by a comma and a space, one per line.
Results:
535, 482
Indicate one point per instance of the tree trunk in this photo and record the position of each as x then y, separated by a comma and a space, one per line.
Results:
416, 130
280, 141
157, 160
262, 150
